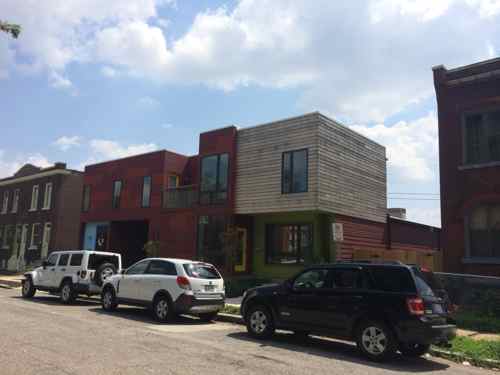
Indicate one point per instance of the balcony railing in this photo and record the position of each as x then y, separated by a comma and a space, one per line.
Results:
180, 197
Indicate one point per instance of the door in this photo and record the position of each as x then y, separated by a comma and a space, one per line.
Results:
241, 252
101, 239
22, 247
160, 274
59, 271
131, 279
44, 274
46, 239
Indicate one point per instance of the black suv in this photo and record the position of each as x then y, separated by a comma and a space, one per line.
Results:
383, 307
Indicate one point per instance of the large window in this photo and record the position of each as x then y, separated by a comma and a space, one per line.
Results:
117, 192
294, 172
211, 239
7, 236
15, 200
214, 178
146, 191
5, 202
47, 197
86, 198
484, 231
35, 236
482, 137
288, 244
34, 198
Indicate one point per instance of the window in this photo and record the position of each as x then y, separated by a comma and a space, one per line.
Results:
35, 236
138, 268
52, 260
117, 192
294, 172
484, 231
214, 178
15, 200
392, 279
86, 198
161, 267
312, 279
211, 239
76, 260
5, 202
6, 236
63, 260
346, 278
288, 244
47, 197
482, 137
34, 198
173, 181
201, 271
146, 191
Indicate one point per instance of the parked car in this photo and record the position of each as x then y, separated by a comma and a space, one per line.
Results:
169, 287
383, 307
71, 273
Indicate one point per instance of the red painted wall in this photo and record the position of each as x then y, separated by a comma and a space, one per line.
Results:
461, 190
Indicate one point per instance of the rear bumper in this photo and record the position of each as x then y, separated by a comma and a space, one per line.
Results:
189, 304
420, 332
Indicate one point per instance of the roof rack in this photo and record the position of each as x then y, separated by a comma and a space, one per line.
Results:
374, 261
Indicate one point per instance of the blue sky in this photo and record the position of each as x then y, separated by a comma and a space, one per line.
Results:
90, 80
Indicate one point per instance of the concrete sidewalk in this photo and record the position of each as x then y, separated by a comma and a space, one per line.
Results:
11, 281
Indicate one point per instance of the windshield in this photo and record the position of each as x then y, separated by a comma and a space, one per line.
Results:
201, 271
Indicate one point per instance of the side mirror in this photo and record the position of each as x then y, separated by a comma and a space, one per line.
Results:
123, 272
45, 264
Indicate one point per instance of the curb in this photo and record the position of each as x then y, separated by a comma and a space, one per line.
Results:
461, 358
229, 318
16, 283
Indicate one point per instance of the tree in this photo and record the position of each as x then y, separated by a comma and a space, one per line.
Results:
10, 28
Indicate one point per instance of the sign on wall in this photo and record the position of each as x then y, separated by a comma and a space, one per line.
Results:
338, 232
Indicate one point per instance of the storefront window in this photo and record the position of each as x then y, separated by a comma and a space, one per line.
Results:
288, 244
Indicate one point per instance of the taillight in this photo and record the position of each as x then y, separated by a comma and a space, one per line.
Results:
183, 282
415, 306
83, 274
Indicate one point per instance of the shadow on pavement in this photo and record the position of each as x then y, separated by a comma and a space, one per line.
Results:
48, 299
328, 348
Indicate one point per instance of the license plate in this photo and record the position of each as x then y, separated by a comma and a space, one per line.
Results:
209, 288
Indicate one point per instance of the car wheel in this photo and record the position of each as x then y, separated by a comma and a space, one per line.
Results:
376, 341
162, 309
208, 317
414, 350
28, 289
108, 299
67, 292
260, 322
104, 271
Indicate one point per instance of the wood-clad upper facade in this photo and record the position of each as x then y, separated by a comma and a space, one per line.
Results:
346, 172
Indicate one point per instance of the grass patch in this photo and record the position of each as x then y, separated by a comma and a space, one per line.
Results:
476, 349
231, 310
478, 322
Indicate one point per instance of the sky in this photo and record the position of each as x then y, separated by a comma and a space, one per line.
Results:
92, 80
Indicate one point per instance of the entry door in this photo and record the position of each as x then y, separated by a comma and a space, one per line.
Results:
241, 252
46, 239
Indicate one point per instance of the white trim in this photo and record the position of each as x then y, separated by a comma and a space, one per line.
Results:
37, 176
47, 197
32, 246
34, 198
15, 202
5, 202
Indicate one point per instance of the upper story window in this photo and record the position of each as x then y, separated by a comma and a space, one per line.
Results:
484, 231
214, 178
86, 198
47, 196
146, 191
34, 198
482, 137
294, 172
117, 192
173, 181
15, 200
5, 202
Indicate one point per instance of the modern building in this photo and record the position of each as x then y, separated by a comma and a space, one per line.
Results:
468, 101
262, 200
39, 212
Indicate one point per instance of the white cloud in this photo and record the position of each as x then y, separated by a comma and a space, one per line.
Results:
104, 149
65, 143
57, 81
109, 72
147, 102
425, 215
10, 166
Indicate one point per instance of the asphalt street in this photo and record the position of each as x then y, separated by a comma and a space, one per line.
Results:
41, 336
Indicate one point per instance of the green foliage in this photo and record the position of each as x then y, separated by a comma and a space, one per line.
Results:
476, 349
10, 28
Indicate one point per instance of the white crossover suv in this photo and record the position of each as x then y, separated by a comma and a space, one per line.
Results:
169, 287
70, 273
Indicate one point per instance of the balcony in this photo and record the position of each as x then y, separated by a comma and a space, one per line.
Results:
180, 197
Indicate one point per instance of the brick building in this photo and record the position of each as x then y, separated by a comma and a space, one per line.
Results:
39, 212
468, 101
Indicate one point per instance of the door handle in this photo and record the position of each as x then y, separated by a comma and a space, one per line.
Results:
63, 269
52, 269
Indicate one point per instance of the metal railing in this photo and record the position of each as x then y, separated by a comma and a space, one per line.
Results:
180, 197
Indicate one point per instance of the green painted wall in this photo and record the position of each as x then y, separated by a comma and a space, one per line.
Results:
323, 247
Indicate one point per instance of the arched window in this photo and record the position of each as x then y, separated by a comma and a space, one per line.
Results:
484, 231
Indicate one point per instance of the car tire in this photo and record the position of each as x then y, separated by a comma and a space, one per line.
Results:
260, 322
208, 317
108, 299
376, 341
67, 292
414, 350
28, 288
103, 271
162, 309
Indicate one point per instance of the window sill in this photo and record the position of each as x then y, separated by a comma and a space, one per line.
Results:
33, 248
32, 210
478, 260
45, 208
479, 165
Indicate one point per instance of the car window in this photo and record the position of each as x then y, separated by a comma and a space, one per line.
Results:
311, 279
63, 260
76, 260
51, 261
392, 279
138, 268
161, 267
201, 271
346, 278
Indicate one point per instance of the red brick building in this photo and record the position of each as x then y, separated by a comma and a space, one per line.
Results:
468, 101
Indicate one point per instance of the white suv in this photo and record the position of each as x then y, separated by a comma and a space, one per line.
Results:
70, 273
169, 287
